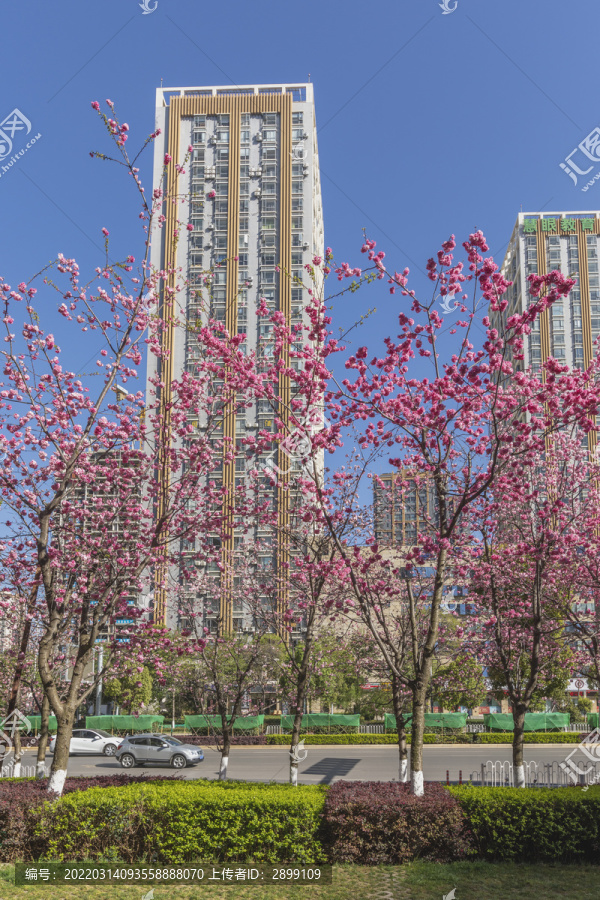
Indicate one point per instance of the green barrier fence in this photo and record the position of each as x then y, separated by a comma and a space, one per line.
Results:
242, 723
125, 723
36, 723
320, 723
592, 720
432, 720
533, 721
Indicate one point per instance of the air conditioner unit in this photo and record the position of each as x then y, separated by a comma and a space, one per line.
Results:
305, 245
304, 135
209, 227
258, 172
259, 138
305, 169
257, 192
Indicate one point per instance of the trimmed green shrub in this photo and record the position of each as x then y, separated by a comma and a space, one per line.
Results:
186, 821
368, 739
533, 824
532, 737
378, 823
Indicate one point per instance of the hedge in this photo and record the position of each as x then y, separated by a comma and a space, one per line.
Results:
185, 821
375, 823
22, 800
532, 824
533, 737
538, 737
367, 739
166, 820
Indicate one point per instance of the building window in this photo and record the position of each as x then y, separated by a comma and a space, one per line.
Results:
297, 118
269, 135
245, 137
297, 222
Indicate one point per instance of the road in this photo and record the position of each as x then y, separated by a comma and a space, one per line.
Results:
325, 765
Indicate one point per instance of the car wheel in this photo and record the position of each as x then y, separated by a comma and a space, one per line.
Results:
127, 761
179, 761
110, 750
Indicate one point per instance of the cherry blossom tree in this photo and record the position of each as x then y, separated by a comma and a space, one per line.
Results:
99, 485
530, 537
459, 429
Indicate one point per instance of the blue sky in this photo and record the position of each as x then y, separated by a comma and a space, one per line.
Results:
429, 124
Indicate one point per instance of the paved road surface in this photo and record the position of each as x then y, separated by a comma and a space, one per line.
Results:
325, 765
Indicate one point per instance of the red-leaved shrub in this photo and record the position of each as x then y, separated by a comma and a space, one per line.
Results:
373, 823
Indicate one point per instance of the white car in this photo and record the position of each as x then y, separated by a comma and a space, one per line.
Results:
88, 742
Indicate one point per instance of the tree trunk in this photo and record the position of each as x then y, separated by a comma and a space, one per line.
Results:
20, 666
400, 730
416, 739
517, 747
40, 769
225, 754
60, 762
296, 729
18, 753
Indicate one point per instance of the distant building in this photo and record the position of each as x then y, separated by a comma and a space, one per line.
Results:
540, 243
403, 506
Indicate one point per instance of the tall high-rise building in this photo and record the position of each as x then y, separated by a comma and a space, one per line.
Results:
540, 243
252, 195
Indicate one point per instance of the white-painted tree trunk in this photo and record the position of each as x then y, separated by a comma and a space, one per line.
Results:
294, 774
403, 771
417, 784
57, 782
40, 770
519, 773
223, 768
16, 772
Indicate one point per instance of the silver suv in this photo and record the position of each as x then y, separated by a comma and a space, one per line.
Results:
157, 749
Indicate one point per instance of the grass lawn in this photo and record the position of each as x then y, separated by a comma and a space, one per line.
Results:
417, 881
